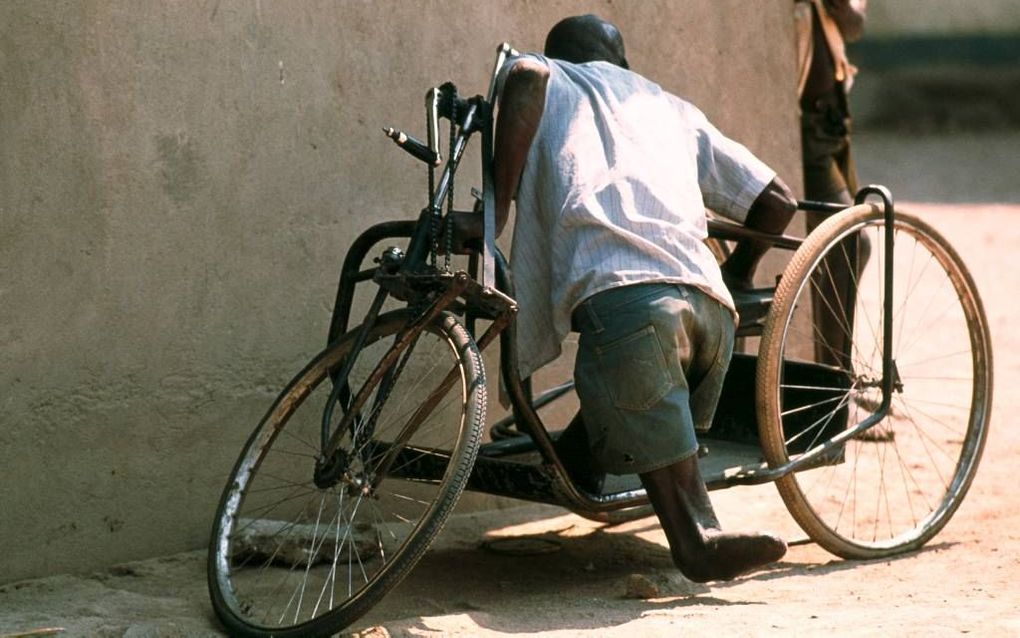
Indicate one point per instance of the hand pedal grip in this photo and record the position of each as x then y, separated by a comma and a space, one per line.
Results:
415, 147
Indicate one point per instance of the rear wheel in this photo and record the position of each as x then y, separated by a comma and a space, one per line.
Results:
894, 486
302, 545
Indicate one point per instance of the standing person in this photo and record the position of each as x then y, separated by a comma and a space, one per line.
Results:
824, 77
612, 175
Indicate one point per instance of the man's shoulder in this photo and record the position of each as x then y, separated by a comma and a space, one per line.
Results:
602, 74
527, 64
522, 67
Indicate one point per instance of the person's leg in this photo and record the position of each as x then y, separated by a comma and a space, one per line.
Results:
700, 549
829, 294
829, 176
638, 346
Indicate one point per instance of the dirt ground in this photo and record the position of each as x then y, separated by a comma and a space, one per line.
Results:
570, 576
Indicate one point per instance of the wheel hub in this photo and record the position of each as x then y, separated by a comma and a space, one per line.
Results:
864, 381
340, 469
330, 471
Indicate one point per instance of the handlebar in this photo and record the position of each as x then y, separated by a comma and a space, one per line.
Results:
428, 154
442, 101
466, 116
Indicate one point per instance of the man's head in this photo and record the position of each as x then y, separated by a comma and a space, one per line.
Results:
586, 38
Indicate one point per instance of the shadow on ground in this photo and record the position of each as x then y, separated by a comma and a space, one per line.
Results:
575, 561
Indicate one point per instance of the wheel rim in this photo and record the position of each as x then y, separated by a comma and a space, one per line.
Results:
290, 551
893, 487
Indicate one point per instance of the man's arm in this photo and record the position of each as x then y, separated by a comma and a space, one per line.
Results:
520, 111
772, 209
771, 212
849, 17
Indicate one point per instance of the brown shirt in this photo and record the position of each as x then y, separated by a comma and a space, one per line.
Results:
821, 49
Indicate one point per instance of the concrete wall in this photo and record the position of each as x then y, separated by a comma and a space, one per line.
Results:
178, 184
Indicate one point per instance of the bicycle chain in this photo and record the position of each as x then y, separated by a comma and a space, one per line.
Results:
383, 393
432, 214
449, 197
435, 230
437, 227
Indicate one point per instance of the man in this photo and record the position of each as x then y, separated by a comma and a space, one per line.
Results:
824, 77
612, 175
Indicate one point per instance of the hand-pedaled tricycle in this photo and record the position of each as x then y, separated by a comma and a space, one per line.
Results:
872, 388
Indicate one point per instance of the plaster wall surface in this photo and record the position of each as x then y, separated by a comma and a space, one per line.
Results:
178, 185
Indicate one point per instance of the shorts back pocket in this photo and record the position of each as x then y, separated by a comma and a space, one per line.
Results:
634, 369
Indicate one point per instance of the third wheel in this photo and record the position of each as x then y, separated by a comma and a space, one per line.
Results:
894, 486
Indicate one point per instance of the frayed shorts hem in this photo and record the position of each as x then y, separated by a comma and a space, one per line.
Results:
649, 466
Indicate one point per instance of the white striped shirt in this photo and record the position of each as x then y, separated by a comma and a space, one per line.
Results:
613, 193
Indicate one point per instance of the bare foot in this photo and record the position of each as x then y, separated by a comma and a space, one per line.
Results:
725, 555
700, 549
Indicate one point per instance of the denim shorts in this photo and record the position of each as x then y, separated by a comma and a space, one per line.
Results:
650, 367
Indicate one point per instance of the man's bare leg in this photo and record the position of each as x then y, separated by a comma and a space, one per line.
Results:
700, 549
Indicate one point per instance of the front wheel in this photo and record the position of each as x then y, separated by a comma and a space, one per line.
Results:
303, 545
894, 486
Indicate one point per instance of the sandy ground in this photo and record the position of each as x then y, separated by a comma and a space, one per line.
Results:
966, 581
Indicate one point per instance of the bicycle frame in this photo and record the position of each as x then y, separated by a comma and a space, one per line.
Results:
408, 276
477, 118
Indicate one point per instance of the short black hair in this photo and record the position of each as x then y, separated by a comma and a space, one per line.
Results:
586, 38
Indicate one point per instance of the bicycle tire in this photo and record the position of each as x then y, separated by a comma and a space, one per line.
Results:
892, 488
267, 554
